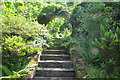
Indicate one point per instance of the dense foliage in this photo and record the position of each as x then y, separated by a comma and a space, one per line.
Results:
95, 36
20, 35
51, 11
89, 29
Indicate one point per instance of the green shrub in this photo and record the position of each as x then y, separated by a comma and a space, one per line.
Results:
19, 25
96, 73
103, 55
15, 51
82, 72
109, 51
57, 28
13, 74
16, 44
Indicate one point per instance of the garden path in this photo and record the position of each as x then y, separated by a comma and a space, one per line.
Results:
55, 64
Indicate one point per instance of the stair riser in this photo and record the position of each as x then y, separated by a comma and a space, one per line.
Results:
57, 48
55, 65
43, 73
55, 58
55, 52
53, 78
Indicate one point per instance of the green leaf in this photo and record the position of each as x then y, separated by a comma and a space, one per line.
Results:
6, 70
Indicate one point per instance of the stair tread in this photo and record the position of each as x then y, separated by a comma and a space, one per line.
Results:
60, 61
58, 46
56, 69
55, 55
53, 50
55, 64
56, 78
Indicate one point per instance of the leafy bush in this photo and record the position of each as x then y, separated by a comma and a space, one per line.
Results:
108, 46
87, 20
96, 73
59, 28
19, 25
20, 34
51, 11
13, 74
14, 45
42, 43
15, 51
54, 26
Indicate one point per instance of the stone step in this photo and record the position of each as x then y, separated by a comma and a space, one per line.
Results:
55, 72
54, 78
52, 51
55, 64
55, 57
57, 42
57, 47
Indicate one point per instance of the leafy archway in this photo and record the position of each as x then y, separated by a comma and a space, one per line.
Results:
52, 11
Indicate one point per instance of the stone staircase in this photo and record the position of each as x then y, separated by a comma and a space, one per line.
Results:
55, 64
